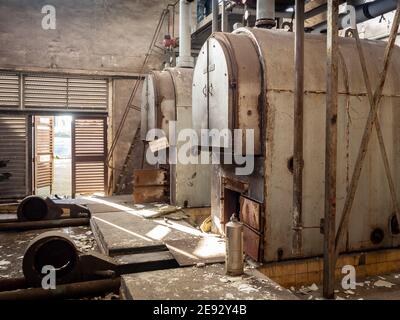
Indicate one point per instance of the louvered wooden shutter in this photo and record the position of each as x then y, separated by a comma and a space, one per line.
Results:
89, 149
13, 156
44, 152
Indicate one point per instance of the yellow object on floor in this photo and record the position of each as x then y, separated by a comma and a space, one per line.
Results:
206, 225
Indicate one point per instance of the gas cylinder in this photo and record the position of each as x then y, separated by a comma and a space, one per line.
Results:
234, 247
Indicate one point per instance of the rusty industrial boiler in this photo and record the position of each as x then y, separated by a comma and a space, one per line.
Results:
245, 80
167, 99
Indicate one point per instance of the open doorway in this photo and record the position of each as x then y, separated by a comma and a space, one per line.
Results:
62, 182
53, 155
231, 204
69, 155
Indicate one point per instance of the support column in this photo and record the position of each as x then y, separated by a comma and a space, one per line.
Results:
331, 150
298, 128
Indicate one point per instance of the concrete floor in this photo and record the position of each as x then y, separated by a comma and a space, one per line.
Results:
14, 244
62, 177
384, 287
62, 183
208, 282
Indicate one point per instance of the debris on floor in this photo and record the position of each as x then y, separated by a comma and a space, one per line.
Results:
383, 283
376, 287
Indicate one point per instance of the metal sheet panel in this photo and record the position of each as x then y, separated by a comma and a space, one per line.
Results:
219, 91
229, 96
250, 213
9, 90
89, 149
13, 154
199, 92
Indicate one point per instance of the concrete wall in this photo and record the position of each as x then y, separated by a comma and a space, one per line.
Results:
99, 35
122, 89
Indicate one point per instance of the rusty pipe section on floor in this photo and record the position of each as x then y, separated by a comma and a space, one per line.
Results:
46, 224
66, 291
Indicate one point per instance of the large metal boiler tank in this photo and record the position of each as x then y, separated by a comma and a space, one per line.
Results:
246, 80
166, 97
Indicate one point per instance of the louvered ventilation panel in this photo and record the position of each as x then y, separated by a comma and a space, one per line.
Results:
87, 93
13, 145
89, 155
9, 90
45, 92
66, 93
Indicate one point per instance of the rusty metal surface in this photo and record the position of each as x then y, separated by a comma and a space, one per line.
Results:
250, 213
150, 185
252, 243
150, 194
223, 176
150, 177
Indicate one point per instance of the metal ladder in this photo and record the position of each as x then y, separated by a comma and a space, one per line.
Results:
122, 174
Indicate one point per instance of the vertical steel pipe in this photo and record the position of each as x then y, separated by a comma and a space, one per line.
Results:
224, 18
215, 13
265, 15
298, 127
331, 149
185, 50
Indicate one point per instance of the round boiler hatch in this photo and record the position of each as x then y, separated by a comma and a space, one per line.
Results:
377, 236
